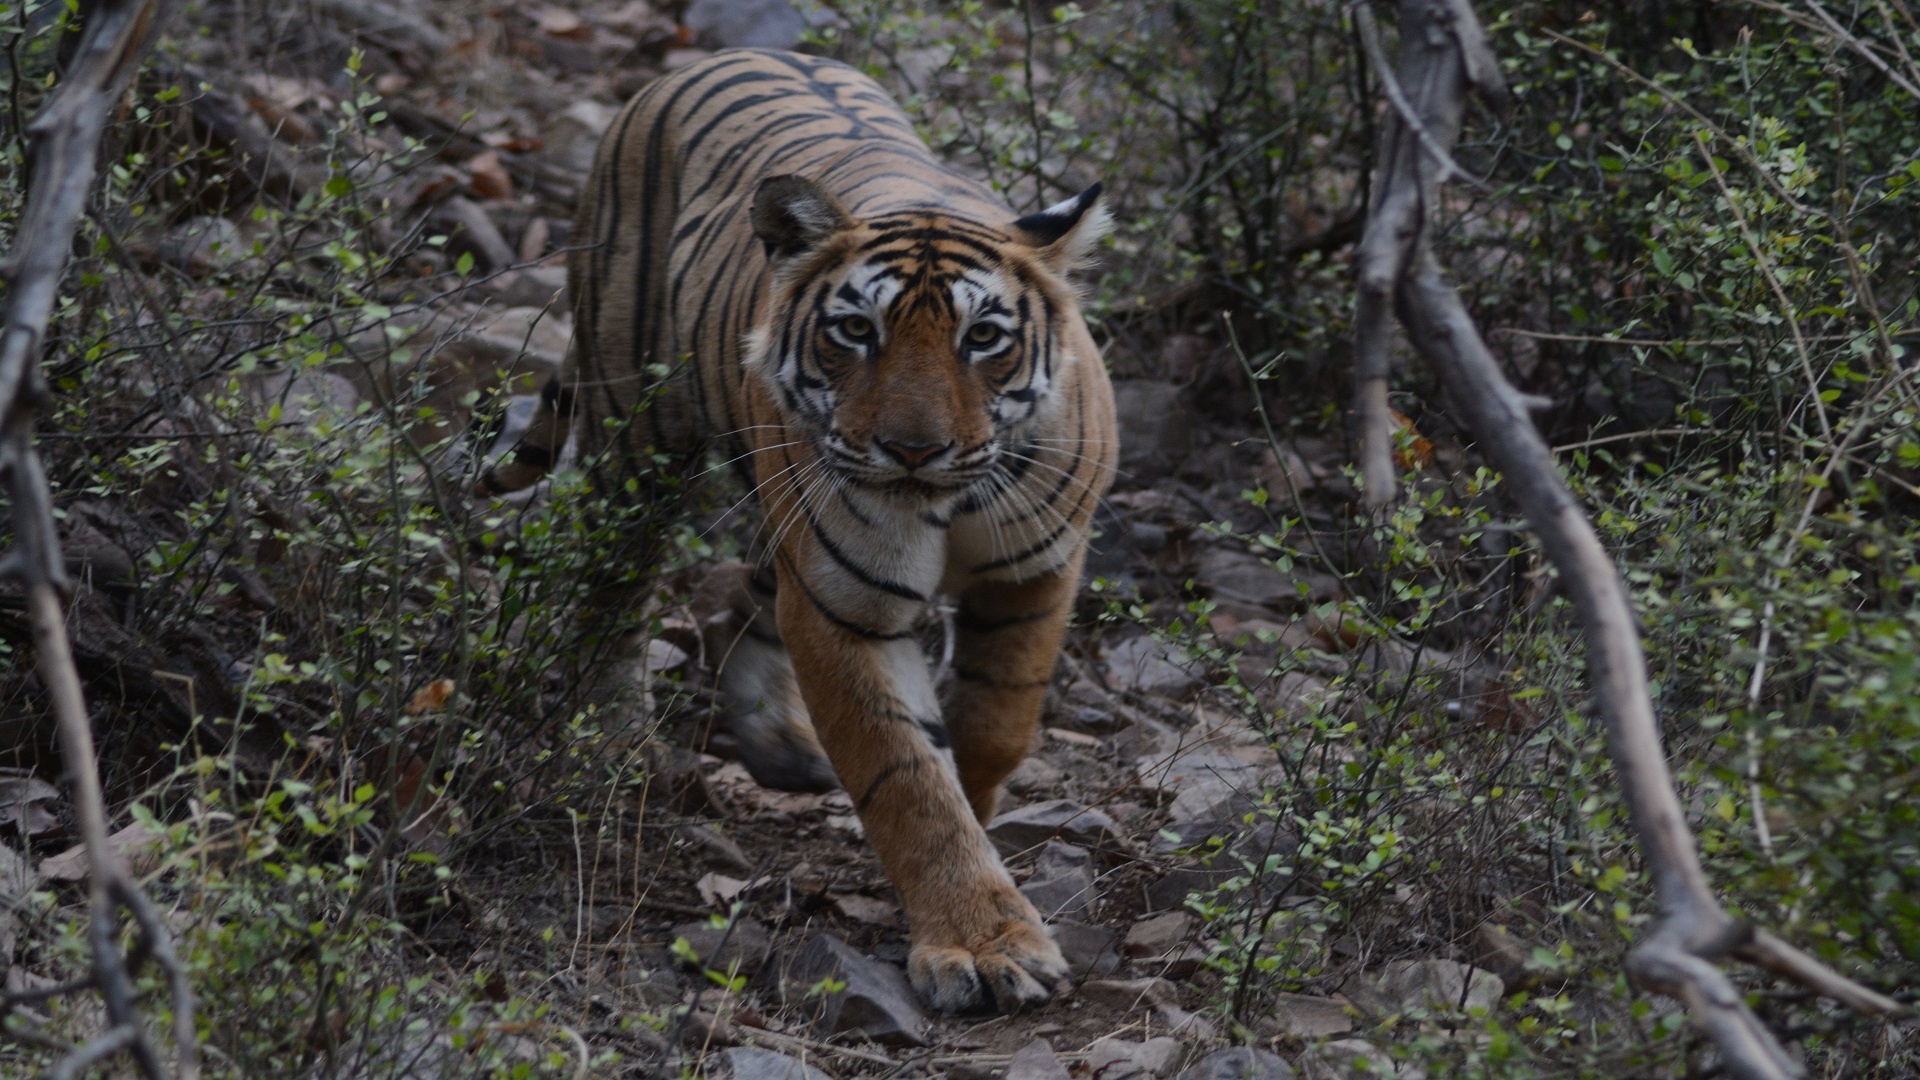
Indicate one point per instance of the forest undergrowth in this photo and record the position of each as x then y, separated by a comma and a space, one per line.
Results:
427, 785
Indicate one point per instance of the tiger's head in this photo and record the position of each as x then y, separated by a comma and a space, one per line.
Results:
916, 348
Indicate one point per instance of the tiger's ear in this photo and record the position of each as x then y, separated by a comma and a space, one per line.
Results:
793, 215
1065, 232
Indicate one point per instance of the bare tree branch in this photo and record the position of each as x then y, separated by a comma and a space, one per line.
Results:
63, 148
1442, 56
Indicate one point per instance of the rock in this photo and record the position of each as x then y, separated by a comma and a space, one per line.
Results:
1035, 1061
1185, 1024
1062, 882
1305, 1017
533, 286
713, 848
1263, 844
1345, 1059
1149, 666
1240, 1063
655, 984
570, 139
1158, 935
1156, 428
1057, 819
753, 1063
750, 24
1227, 574
1117, 1059
877, 1003
1440, 986
1503, 954
1089, 950
721, 948
1033, 775
1208, 783
1129, 993
201, 245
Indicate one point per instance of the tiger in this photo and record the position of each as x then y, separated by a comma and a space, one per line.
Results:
772, 258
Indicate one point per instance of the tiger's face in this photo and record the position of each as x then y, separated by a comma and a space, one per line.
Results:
915, 350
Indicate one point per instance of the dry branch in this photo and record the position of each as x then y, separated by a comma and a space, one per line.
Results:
63, 147
1442, 56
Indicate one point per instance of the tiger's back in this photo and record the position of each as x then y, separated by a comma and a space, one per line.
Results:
775, 262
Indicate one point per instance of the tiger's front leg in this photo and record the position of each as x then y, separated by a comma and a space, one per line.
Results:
975, 938
1007, 643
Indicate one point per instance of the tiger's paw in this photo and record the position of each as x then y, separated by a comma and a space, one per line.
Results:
1016, 967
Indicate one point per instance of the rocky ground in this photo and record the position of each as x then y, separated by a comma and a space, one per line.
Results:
1140, 765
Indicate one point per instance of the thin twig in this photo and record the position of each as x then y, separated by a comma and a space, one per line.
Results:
64, 143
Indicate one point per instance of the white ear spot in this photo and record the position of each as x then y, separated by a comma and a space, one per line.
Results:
1066, 232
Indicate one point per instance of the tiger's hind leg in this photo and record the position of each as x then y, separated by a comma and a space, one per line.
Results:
760, 697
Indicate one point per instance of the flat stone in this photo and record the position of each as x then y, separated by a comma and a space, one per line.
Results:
1345, 1059
748, 24
1240, 1063
721, 948
1306, 1017
1129, 993
1062, 882
1035, 1061
1033, 775
1118, 1059
1056, 819
1185, 1024
877, 1003
1438, 986
1263, 843
1235, 575
1158, 935
1089, 950
1207, 783
1149, 666
753, 1063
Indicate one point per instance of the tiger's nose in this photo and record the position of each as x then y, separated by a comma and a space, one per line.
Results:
912, 455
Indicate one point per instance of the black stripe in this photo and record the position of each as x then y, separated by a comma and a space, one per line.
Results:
980, 624
975, 675
841, 621
909, 765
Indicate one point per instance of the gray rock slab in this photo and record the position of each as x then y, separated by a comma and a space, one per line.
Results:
744, 944
1090, 951
1149, 666
1056, 819
1240, 1063
1129, 993
1035, 1061
1345, 1059
1121, 1059
1305, 1017
876, 1004
1436, 986
753, 1063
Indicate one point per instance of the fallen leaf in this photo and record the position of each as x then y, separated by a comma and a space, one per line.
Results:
431, 697
21, 797
489, 179
136, 845
513, 144
866, 909
719, 890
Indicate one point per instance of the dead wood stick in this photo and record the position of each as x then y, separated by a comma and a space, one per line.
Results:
1442, 56
63, 147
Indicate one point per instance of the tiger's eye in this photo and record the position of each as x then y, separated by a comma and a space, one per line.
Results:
857, 327
982, 333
